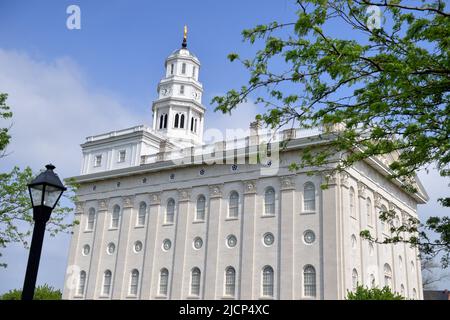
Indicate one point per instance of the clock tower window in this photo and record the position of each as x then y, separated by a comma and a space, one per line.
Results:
177, 117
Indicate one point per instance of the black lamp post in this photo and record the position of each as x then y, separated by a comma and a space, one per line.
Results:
45, 191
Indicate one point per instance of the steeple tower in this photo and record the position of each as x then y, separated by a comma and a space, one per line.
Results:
178, 112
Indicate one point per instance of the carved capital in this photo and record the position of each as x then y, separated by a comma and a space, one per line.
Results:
287, 183
249, 186
362, 189
393, 207
184, 194
128, 202
344, 178
79, 207
377, 199
330, 178
215, 191
103, 204
155, 198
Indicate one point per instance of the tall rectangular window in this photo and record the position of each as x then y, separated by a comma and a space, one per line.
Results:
171, 69
195, 282
98, 160
163, 281
134, 282
193, 71
181, 89
122, 155
183, 68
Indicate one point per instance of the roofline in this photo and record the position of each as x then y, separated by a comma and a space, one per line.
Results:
298, 143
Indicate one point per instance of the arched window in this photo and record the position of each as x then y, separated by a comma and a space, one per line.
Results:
387, 275
107, 277
201, 201
182, 121
354, 279
352, 202
267, 281
309, 197
230, 281
354, 241
309, 281
115, 218
81, 283
134, 282
369, 211
183, 68
165, 121
91, 219
233, 205
195, 282
161, 121
177, 117
163, 281
192, 124
269, 201
142, 213
170, 211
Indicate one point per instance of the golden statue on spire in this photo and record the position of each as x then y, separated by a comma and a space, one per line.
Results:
184, 44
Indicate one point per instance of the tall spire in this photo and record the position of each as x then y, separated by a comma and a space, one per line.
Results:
184, 44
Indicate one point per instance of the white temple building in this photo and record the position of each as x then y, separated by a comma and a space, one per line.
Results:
160, 220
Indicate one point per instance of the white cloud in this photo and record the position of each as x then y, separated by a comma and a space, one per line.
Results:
54, 109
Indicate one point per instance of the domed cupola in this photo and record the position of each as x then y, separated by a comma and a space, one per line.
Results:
178, 112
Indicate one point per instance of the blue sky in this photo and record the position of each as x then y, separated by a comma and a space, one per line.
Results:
104, 77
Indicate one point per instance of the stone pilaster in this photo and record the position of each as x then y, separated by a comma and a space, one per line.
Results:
122, 274
72, 272
287, 213
150, 283
331, 241
212, 249
248, 239
184, 197
95, 278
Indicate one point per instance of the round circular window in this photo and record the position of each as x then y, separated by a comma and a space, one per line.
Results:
268, 239
86, 250
198, 243
309, 236
231, 241
111, 248
137, 246
167, 244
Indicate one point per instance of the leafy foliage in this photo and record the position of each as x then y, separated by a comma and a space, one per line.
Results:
373, 91
44, 292
364, 293
5, 113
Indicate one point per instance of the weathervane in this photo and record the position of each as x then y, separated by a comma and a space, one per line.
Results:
184, 44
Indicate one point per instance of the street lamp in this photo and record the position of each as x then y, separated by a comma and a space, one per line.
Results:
45, 191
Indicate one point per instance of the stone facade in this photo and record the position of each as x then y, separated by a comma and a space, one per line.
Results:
154, 228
